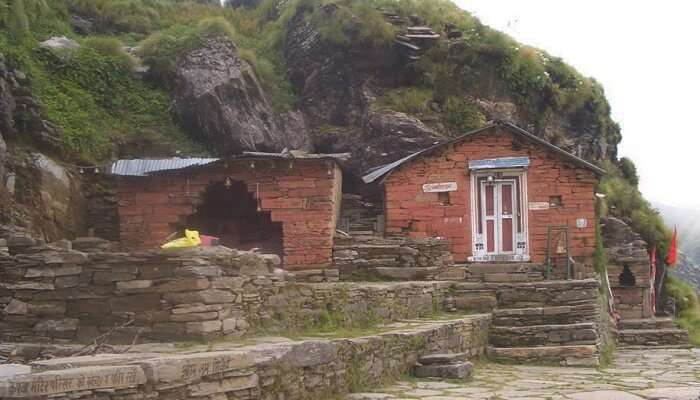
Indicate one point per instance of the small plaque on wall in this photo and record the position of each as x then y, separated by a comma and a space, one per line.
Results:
582, 223
440, 187
538, 205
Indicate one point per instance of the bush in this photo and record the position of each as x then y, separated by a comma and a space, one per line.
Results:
624, 200
17, 15
687, 306
462, 115
111, 48
138, 16
352, 22
629, 171
410, 100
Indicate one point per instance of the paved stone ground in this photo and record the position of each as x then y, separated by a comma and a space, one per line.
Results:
659, 374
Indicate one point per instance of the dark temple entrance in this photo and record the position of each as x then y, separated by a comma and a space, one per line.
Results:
230, 212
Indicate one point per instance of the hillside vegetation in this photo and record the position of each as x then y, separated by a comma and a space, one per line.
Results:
102, 106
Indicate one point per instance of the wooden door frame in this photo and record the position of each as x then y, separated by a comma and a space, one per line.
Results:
521, 245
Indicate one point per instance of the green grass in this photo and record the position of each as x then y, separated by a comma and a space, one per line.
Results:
623, 200
410, 100
687, 305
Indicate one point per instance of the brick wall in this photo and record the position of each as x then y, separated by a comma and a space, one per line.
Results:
420, 214
302, 195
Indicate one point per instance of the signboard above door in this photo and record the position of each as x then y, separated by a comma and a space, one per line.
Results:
440, 187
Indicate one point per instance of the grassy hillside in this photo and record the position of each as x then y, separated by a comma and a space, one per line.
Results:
74, 92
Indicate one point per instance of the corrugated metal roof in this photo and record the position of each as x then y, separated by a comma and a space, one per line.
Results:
383, 171
148, 166
144, 167
504, 162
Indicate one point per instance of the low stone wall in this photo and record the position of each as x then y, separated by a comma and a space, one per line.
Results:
317, 369
56, 294
395, 258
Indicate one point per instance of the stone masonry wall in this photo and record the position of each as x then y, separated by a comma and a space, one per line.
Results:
626, 250
420, 214
302, 194
399, 258
55, 294
317, 369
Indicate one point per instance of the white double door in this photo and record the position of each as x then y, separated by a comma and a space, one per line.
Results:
499, 211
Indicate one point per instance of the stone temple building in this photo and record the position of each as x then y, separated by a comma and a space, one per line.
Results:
499, 194
284, 204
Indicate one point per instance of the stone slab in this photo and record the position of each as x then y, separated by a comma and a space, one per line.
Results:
71, 380
87, 361
191, 367
446, 371
452, 358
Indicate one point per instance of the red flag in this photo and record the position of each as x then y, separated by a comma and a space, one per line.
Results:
673, 251
652, 280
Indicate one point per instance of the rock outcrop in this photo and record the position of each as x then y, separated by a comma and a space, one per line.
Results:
219, 100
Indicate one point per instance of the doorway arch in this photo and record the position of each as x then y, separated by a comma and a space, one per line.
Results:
229, 211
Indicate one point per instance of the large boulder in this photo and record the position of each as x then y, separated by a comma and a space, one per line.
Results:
220, 101
332, 80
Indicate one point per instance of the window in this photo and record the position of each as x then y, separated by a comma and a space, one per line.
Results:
555, 201
444, 198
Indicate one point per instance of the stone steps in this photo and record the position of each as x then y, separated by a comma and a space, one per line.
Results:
579, 355
541, 321
558, 315
505, 272
514, 295
544, 335
653, 337
647, 323
443, 366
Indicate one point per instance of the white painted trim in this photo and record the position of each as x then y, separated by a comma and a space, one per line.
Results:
517, 254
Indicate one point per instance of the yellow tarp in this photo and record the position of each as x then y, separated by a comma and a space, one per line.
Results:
191, 239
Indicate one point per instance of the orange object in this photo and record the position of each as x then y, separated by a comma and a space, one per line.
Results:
673, 250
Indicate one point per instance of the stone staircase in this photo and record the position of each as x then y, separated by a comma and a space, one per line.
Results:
504, 272
652, 332
538, 321
377, 258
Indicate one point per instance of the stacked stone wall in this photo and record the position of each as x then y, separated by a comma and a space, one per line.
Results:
629, 270
56, 294
316, 369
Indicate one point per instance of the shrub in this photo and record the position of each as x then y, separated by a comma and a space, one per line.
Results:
17, 15
410, 100
139, 16
624, 200
461, 114
112, 48
352, 22
629, 171
687, 306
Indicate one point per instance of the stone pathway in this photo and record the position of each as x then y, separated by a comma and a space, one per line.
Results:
659, 374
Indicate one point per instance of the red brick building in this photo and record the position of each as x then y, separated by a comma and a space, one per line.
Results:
495, 193
275, 202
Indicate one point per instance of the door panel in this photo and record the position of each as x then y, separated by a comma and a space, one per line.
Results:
507, 235
498, 212
500, 223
